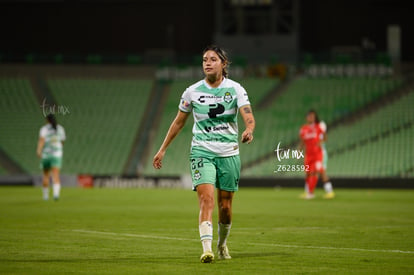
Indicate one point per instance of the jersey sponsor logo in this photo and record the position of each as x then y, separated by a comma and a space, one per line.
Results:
218, 128
309, 135
203, 98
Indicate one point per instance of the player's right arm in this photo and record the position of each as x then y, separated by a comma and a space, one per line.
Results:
301, 145
175, 127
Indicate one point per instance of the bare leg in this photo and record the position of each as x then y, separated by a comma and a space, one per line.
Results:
205, 194
324, 176
45, 184
55, 175
56, 183
327, 185
225, 200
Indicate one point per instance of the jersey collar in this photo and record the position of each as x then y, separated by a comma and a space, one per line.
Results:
219, 86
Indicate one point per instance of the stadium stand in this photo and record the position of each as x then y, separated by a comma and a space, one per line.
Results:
386, 157
2, 170
103, 121
385, 120
332, 97
105, 114
272, 167
20, 121
258, 88
279, 122
376, 145
176, 159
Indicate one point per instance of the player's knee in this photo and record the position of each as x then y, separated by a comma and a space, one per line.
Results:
45, 181
207, 200
225, 207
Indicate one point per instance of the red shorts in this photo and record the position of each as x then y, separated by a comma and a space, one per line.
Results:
313, 162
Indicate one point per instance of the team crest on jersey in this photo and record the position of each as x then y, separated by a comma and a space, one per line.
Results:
228, 97
197, 175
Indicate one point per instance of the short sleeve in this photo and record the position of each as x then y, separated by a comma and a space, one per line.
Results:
322, 126
185, 102
62, 133
242, 97
43, 132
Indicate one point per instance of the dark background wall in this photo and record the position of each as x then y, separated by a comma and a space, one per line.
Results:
105, 26
183, 25
327, 23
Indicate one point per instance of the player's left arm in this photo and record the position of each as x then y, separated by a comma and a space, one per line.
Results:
248, 118
323, 128
63, 136
40, 145
325, 137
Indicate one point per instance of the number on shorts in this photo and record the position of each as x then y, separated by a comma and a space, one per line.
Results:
196, 163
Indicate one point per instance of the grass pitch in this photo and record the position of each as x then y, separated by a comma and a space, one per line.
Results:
155, 231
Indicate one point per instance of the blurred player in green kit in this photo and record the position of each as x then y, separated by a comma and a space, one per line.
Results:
50, 152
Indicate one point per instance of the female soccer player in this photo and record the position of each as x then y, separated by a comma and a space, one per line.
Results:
214, 156
312, 136
50, 150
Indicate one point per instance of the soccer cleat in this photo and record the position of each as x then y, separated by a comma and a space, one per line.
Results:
329, 195
207, 257
307, 196
223, 253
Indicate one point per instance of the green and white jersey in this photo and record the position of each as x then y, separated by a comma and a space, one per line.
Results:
53, 140
215, 112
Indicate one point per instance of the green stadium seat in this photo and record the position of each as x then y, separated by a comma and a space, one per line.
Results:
103, 121
332, 98
20, 121
105, 115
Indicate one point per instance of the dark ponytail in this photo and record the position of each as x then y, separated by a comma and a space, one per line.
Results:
52, 120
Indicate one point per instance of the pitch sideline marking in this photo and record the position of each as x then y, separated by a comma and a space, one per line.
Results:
131, 235
321, 228
259, 244
334, 248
